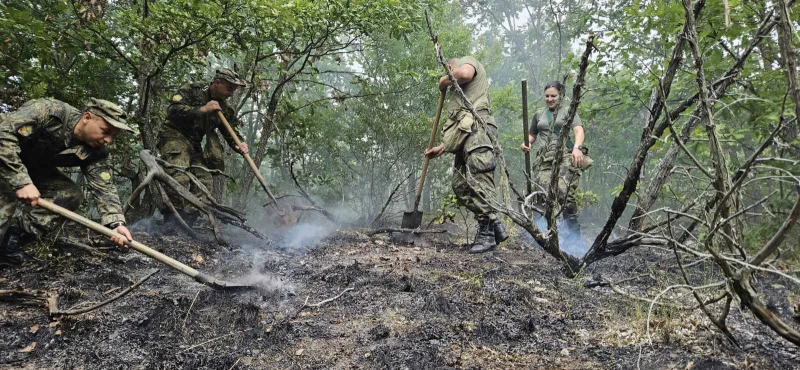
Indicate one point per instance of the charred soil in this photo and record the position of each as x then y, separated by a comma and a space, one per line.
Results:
408, 307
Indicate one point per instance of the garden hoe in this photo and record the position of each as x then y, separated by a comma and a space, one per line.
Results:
287, 216
412, 219
150, 252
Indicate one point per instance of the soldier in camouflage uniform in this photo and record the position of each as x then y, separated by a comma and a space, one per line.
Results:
473, 169
190, 117
36, 139
574, 160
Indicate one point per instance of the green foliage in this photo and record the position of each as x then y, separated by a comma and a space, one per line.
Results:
445, 212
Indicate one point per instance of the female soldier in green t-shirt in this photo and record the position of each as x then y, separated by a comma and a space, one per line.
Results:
543, 129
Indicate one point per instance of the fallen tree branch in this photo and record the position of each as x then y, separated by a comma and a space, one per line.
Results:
78, 245
55, 311
329, 300
387, 230
181, 222
304, 306
23, 297
215, 339
209, 206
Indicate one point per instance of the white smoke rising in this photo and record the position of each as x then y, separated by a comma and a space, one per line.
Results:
306, 235
569, 242
264, 280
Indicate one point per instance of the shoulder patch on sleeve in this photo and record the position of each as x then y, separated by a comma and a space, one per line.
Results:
105, 175
176, 98
25, 130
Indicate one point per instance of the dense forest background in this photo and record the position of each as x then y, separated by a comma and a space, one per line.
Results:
341, 94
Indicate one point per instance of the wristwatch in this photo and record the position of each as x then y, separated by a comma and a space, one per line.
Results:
115, 225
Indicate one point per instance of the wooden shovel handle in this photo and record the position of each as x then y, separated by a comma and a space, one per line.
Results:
430, 145
525, 137
249, 160
150, 252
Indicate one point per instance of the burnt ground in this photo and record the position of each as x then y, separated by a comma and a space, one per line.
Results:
430, 306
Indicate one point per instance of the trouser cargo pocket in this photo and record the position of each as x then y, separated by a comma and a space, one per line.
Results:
479, 153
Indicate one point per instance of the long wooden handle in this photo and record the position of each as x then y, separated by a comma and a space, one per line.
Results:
249, 160
430, 145
525, 134
150, 252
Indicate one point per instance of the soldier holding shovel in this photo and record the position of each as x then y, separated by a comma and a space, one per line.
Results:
473, 169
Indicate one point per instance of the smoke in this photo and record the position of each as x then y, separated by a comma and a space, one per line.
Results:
305, 235
153, 225
570, 242
263, 280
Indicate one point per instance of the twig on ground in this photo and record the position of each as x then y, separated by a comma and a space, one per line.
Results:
189, 310
55, 311
386, 230
78, 245
306, 305
329, 300
215, 339
23, 297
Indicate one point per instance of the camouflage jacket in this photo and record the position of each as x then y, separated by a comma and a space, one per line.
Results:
40, 135
183, 115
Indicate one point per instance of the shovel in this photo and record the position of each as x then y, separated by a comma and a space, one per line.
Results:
287, 216
412, 219
150, 252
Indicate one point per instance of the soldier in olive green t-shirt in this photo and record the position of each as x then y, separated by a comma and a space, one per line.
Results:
473, 169
546, 125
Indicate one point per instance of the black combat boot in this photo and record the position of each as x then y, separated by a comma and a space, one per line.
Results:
485, 238
500, 233
11, 252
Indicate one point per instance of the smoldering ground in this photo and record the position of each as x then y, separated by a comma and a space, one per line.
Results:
407, 307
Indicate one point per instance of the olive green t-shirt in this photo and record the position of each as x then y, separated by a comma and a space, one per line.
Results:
476, 90
540, 124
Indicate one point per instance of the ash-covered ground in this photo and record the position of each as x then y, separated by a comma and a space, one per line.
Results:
428, 305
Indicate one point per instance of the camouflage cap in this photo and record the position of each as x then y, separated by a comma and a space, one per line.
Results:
111, 112
229, 75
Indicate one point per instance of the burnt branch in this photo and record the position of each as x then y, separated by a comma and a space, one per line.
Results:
388, 230
55, 311
208, 206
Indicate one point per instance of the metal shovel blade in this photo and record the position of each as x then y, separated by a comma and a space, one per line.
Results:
218, 284
412, 219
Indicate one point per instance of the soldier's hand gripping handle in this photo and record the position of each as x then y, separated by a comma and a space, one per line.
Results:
211, 106
29, 194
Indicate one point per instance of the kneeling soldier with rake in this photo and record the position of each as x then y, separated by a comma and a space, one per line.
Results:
35, 140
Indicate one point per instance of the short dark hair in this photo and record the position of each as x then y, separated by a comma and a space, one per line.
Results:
554, 84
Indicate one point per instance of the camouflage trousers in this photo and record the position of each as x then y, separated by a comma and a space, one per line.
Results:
473, 174
53, 185
180, 151
568, 179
